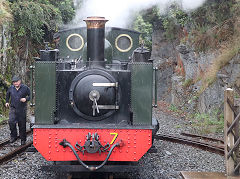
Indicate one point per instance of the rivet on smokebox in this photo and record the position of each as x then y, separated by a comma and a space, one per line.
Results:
49, 146
135, 159
49, 158
127, 151
134, 152
49, 152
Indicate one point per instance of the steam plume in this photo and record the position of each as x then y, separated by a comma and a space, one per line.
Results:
120, 12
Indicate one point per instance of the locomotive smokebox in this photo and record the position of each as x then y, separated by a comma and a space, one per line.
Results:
95, 40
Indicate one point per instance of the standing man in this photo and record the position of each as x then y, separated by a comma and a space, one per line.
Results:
18, 94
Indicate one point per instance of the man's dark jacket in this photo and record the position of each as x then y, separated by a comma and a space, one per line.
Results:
16, 95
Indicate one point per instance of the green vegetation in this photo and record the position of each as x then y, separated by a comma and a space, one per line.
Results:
178, 126
209, 123
146, 29
212, 25
173, 21
144, 23
188, 83
152, 18
32, 18
36, 20
173, 108
3, 119
205, 123
5, 12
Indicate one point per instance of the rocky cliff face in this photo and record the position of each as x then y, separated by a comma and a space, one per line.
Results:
164, 55
180, 72
10, 64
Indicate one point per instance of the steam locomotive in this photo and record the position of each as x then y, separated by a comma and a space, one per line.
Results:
93, 96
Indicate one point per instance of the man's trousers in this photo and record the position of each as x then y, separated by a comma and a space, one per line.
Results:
20, 118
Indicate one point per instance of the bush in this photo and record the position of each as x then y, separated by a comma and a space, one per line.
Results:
31, 18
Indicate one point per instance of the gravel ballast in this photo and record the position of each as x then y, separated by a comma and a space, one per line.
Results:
170, 159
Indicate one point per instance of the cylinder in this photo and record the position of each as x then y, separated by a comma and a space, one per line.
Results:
95, 40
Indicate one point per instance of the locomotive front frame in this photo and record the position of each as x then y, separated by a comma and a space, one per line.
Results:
65, 131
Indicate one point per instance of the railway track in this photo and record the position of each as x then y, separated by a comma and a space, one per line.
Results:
202, 142
9, 151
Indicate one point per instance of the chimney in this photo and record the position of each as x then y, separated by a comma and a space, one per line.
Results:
95, 40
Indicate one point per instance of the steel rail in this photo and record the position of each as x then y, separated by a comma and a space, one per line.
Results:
192, 142
203, 137
15, 152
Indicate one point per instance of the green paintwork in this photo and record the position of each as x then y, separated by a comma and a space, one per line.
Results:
111, 52
45, 90
64, 52
114, 33
141, 93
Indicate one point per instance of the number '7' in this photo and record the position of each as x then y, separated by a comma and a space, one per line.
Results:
114, 138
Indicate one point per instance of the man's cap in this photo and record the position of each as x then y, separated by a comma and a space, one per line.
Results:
15, 78
56, 35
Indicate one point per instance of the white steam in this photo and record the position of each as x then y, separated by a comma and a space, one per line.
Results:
190, 4
120, 12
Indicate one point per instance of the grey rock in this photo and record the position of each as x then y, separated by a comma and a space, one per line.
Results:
182, 49
168, 153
